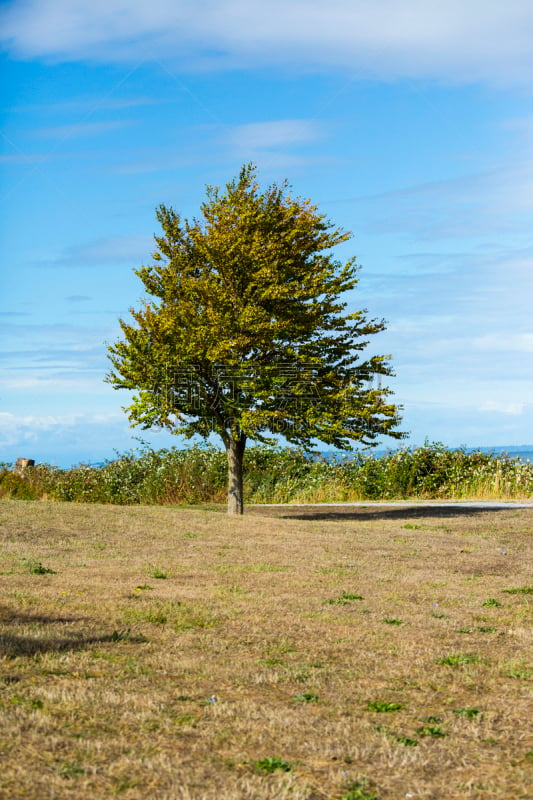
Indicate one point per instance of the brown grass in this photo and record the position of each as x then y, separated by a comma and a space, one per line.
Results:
108, 674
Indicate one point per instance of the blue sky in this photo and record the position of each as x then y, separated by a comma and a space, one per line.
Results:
409, 123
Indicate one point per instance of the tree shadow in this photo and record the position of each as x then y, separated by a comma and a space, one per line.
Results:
13, 644
11, 616
368, 513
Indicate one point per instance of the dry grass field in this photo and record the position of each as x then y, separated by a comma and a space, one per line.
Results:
158, 653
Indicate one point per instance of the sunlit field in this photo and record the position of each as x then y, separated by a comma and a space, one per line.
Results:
354, 654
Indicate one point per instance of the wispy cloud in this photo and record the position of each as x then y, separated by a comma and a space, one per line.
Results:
79, 129
274, 133
505, 341
23, 159
495, 406
87, 105
452, 41
105, 251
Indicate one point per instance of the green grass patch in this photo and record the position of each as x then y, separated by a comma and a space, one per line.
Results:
492, 602
383, 707
36, 568
358, 790
469, 713
272, 764
458, 659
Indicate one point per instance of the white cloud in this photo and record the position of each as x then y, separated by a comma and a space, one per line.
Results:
274, 133
505, 342
18, 429
454, 41
512, 409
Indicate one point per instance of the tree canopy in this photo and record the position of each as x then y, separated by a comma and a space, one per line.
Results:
244, 330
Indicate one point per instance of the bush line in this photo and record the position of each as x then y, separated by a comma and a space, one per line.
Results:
277, 475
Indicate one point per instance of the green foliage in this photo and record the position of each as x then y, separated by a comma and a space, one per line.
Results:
458, 659
358, 790
492, 602
344, 599
70, 769
521, 590
469, 713
252, 283
16, 486
270, 765
383, 707
271, 475
431, 730
306, 697
158, 574
36, 568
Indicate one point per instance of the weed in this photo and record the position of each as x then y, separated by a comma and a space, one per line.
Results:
36, 568
306, 697
185, 719
123, 784
158, 574
271, 662
121, 636
521, 590
344, 599
33, 702
358, 790
458, 659
268, 568
520, 673
465, 630
405, 740
485, 629
142, 588
469, 713
410, 527
383, 706
431, 730
492, 602
270, 765
70, 769
392, 621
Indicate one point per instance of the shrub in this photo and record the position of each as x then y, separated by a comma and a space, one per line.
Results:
277, 475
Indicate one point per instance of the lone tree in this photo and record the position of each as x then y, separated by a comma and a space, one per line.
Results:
247, 335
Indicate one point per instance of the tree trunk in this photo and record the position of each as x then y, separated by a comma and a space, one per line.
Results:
235, 453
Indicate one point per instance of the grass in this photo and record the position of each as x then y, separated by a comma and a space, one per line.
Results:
187, 689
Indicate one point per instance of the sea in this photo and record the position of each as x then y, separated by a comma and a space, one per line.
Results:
520, 452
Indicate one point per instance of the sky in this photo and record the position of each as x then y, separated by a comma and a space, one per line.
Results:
409, 123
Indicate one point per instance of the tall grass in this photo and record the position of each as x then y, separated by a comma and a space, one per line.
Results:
277, 475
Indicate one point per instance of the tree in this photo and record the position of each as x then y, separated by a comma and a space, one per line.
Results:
246, 333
